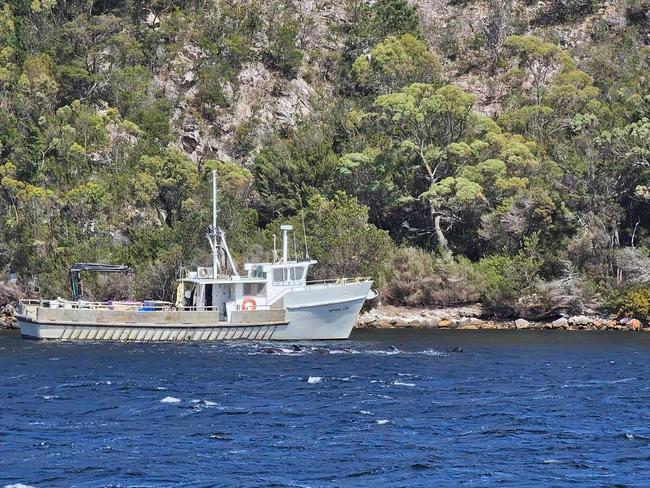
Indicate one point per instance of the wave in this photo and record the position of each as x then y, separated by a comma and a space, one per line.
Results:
205, 403
170, 399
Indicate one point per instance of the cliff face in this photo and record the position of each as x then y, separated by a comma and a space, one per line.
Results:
467, 35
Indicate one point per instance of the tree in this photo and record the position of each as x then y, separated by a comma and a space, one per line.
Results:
424, 120
176, 180
339, 237
394, 63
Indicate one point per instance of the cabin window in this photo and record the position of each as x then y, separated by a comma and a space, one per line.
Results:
258, 272
279, 275
296, 273
255, 289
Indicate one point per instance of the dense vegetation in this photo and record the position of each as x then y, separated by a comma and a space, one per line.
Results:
497, 166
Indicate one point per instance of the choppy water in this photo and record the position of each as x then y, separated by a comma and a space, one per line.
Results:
513, 409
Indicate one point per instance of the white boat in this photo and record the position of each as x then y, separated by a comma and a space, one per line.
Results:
270, 301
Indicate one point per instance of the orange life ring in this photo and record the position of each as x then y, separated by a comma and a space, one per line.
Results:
248, 303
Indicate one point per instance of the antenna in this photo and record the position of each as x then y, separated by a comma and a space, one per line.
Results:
304, 231
295, 248
275, 250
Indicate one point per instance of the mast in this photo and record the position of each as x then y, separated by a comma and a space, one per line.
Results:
216, 265
217, 239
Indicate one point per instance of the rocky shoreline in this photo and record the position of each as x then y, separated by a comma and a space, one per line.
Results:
471, 318
457, 318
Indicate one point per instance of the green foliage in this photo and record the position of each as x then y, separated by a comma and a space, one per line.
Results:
395, 17
632, 302
567, 10
545, 138
282, 52
289, 173
340, 238
505, 279
416, 278
176, 180
396, 62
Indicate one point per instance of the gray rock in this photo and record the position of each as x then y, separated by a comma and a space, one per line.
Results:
433, 321
580, 320
522, 324
560, 323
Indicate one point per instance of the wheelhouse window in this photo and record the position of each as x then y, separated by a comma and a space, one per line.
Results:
288, 275
296, 273
279, 275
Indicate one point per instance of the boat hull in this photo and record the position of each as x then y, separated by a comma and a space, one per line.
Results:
324, 314
144, 333
309, 313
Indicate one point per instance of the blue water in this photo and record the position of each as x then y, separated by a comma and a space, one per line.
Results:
538, 408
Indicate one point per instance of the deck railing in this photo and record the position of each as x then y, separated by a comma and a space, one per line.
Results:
340, 281
146, 305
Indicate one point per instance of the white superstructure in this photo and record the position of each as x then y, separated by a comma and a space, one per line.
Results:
270, 301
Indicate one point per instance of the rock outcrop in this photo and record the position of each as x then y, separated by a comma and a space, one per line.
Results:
470, 318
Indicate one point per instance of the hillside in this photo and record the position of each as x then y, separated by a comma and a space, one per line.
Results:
457, 150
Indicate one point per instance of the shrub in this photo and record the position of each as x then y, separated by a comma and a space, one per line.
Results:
396, 62
505, 279
415, 277
282, 53
632, 302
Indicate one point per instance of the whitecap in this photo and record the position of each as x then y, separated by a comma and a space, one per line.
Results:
314, 379
402, 383
50, 397
170, 399
551, 461
629, 436
365, 412
161, 388
382, 421
205, 403
19, 485
344, 351
433, 352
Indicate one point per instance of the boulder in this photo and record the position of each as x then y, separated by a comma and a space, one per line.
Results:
446, 323
492, 326
468, 327
522, 324
470, 323
432, 321
580, 320
560, 323
634, 324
